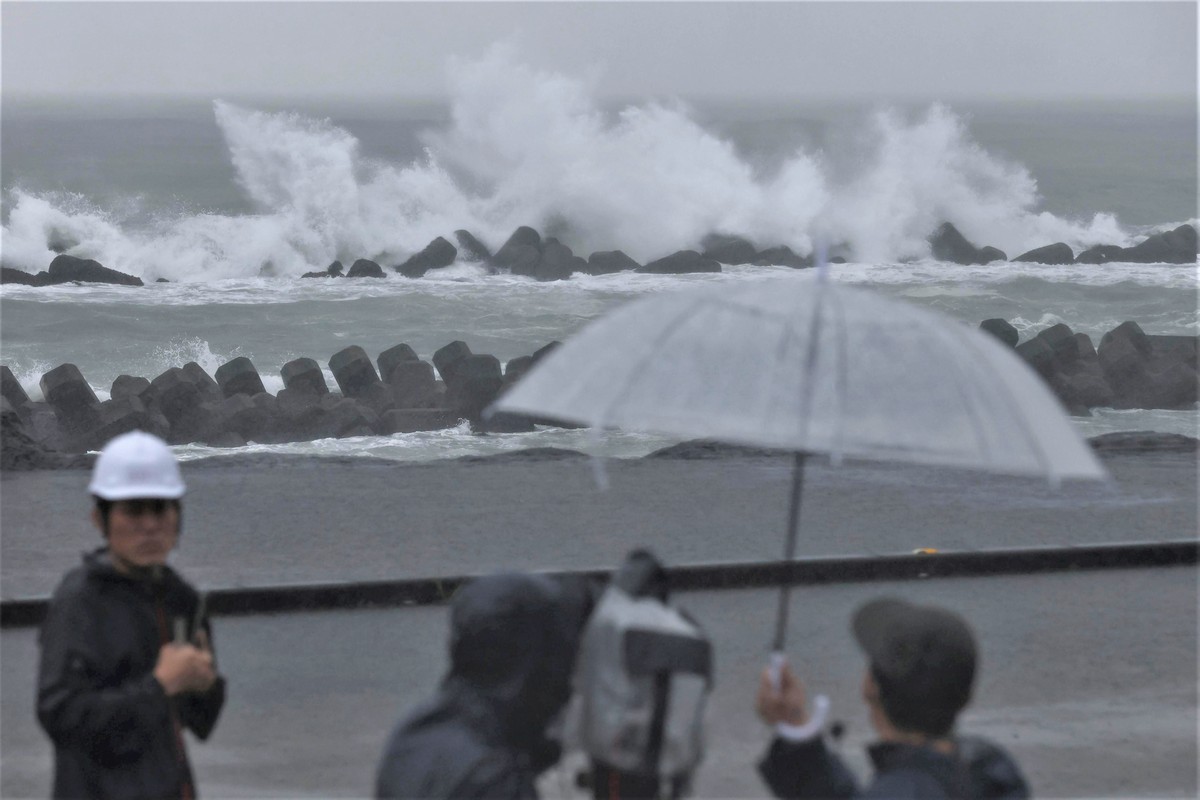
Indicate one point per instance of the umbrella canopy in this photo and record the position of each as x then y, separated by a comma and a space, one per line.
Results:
813, 366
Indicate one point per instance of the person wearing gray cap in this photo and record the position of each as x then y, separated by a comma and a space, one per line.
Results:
921, 663
126, 652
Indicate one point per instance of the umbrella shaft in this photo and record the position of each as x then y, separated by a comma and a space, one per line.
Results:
789, 552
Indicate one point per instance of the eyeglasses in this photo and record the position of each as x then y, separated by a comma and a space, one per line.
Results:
155, 506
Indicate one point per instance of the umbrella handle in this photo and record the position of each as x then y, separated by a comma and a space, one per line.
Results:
775, 665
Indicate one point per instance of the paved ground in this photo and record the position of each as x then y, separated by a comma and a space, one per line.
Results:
1088, 678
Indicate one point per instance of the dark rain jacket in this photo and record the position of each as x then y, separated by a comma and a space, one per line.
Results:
979, 770
512, 648
116, 734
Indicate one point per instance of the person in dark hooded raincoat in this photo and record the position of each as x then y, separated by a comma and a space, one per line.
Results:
513, 639
921, 668
127, 662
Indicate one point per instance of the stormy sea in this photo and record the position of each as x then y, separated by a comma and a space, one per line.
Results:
231, 200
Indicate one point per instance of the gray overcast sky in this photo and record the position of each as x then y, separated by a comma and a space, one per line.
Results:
743, 49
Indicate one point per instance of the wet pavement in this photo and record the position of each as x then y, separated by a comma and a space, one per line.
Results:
1089, 678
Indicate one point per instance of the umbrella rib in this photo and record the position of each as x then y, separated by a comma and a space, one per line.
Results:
839, 375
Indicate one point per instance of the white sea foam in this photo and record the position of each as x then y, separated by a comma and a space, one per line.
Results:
525, 147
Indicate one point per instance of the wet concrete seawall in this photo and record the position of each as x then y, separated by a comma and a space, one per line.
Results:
280, 521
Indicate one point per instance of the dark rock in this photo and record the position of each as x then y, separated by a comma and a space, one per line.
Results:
389, 358
11, 388
1171, 385
782, 256
1133, 333
161, 280
1083, 385
947, 244
239, 377
176, 394
708, 448
208, 387
989, 254
681, 262
545, 350
1062, 343
527, 455
473, 250
19, 450
1084, 346
558, 262
1057, 253
1121, 360
122, 416
411, 420
72, 398
413, 385
607, 262
378, 397
514, 250
1002, 330
1172, 247
1184, 349
475, 384
43, 425
437, 254
334, 270
128, 386
298, 415
64, 269
251, 421
344, 418
1068, 363
1144, 441
447, 358
516, 367
304, 376
10, 275
725, 249
363, 268
353, 371
519, 259
1100, 254
1142, 376
1039, 355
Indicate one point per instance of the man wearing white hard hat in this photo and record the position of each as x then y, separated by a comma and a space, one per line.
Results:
126, 653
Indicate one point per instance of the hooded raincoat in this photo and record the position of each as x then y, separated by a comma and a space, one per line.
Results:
483, 734
116, 733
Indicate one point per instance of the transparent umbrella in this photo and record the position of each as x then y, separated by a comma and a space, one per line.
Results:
808, 365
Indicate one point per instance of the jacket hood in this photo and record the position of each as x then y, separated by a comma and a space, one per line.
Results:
513, 638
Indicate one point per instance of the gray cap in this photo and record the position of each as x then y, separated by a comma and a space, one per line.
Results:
926, 652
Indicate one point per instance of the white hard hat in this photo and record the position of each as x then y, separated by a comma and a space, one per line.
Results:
136, 465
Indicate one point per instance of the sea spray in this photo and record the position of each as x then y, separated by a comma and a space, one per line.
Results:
524, 147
